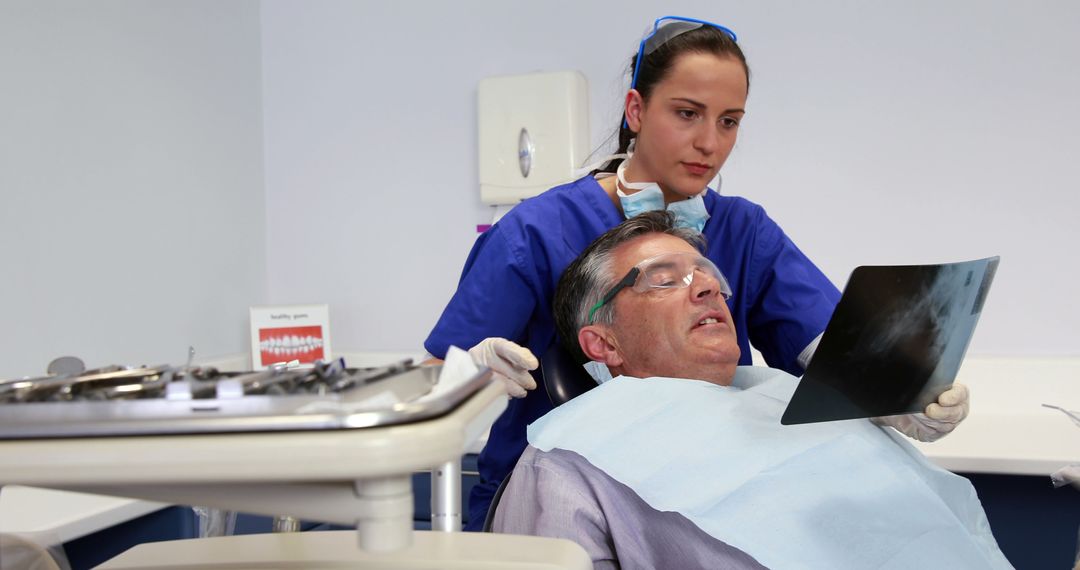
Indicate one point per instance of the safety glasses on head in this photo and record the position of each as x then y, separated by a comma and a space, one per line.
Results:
665, 28
665, 271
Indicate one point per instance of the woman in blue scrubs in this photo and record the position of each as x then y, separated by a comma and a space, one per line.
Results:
689, 83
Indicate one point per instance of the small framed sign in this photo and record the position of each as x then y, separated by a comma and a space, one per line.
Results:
287, 333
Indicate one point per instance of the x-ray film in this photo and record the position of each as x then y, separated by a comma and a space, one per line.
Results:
894, 343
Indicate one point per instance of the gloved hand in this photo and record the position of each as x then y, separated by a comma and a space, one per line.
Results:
1070, 474
938, 420
509, 361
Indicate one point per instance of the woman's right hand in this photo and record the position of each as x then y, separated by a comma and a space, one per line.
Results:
509, 361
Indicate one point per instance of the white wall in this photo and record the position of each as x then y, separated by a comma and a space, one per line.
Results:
133, 213
877, 133
132, 146
372, 192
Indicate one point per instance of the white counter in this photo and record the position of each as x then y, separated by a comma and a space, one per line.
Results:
1009, 431
54, 517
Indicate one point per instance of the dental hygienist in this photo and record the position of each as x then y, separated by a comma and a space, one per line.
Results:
687, 97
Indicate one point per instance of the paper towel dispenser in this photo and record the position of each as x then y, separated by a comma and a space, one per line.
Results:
534, 133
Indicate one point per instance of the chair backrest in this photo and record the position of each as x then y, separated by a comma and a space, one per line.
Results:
489, 519
564, 379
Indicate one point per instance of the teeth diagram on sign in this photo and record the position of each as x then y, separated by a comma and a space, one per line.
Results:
291, 343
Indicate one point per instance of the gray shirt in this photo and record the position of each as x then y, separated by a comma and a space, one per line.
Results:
560, 494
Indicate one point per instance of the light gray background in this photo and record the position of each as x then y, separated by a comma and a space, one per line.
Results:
133, 220
167, 164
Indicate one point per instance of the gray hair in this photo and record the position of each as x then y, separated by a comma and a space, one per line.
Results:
588, 277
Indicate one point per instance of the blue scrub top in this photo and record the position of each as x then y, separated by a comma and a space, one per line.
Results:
781, 301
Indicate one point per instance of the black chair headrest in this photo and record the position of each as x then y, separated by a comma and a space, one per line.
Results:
564, 378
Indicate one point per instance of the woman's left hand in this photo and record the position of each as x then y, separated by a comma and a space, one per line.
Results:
939, 418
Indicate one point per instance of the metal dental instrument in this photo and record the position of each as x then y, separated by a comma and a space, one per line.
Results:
1075, 417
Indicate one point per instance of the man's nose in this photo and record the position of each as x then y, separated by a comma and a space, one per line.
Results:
703, 285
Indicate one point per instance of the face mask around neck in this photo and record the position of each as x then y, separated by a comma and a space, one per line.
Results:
648, 197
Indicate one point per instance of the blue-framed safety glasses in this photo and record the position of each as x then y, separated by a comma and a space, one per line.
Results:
665, 28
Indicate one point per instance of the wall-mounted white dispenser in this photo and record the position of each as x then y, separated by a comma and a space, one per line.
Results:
534, 133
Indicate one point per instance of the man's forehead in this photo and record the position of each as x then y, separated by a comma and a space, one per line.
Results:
643, 247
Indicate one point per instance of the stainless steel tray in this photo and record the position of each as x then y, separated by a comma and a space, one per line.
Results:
390, 401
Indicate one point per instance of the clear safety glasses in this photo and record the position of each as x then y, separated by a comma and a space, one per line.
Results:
665, 271
665, 28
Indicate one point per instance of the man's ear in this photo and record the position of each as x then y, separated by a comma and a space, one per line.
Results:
633, 107
598, 344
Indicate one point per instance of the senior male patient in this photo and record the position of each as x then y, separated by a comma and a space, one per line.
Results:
680, 461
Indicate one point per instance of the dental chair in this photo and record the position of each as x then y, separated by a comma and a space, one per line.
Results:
564, 379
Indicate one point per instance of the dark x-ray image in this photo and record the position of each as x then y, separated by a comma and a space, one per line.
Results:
895, 341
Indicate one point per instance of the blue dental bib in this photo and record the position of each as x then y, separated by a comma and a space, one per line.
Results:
843, 494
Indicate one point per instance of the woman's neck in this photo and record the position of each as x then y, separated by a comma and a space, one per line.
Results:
608, 185
634, 175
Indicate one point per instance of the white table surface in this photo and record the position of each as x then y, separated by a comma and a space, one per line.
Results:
1008, 430
337, 550
51, 517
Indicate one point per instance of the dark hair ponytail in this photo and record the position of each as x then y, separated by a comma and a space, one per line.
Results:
656, 65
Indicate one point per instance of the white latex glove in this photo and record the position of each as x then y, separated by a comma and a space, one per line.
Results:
1070, 474
509, 361
936, 421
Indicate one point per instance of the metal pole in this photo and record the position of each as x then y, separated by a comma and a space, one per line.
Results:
286, 523
446, 497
